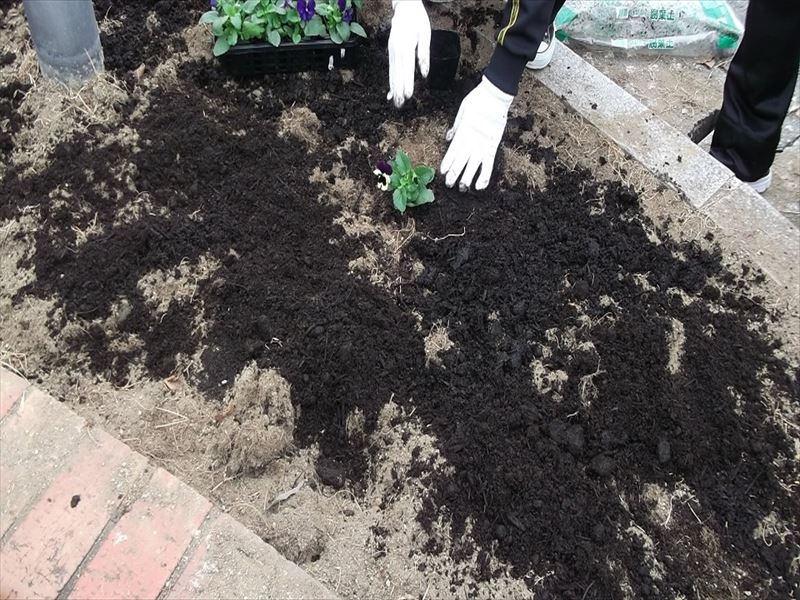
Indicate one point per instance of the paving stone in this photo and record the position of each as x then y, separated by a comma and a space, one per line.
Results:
141, 551
35, 440
52, 539
62, 489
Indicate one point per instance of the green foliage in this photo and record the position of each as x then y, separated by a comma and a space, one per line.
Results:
409, 183
275, 21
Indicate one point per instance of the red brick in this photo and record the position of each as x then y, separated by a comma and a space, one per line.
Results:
35, 441
53, 538
140, 553
230, 561
11, 389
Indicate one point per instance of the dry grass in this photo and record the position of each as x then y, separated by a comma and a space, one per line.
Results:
54, 112
300, 123
437, 342
423, 140
520, 170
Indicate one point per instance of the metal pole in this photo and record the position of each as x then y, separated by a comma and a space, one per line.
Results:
66, 39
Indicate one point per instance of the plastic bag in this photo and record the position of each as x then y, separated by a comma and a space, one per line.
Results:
697, 28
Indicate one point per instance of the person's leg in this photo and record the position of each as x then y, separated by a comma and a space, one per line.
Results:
758, 89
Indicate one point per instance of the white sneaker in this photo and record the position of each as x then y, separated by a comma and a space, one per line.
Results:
761, 185
545, 53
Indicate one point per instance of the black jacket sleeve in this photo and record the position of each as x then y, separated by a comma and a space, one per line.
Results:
522, 28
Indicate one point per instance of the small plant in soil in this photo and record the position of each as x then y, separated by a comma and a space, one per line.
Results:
408, 183
275, 21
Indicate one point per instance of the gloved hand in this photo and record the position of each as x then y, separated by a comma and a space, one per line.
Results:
475, 136
410, 35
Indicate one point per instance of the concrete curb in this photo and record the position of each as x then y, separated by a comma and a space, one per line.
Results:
771, 240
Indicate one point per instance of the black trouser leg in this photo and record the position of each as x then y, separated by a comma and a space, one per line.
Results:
759, 89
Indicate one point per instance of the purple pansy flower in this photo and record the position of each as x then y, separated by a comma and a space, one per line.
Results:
305, 8
383, 171
347, 16
342, 5
213, 3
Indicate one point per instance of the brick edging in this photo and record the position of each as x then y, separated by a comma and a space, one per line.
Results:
82, 515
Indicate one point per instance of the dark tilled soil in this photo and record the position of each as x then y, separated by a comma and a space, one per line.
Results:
10, 120
143, 39
547, 482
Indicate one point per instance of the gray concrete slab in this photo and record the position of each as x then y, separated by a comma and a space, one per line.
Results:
760, 230
620, 116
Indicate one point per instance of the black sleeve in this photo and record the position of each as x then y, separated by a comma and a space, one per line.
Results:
522, 28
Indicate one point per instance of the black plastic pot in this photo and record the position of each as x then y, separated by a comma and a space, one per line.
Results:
262, 58
445, 54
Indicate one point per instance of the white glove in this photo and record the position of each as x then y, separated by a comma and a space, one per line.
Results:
411, 31
475, 136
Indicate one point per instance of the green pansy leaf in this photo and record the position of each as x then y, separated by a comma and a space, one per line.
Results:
403, 162
358, 30
296, 37
425, 174
236, 21
250, 5
343, 29
209, 17
425, 196
274, 38
412, 192
233, 37
399, 201
315, 27
251, 30
221, 47
335, 37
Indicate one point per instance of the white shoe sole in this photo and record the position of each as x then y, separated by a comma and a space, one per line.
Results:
543, 58
761, 185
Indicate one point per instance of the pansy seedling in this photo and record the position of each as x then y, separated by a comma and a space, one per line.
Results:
408, 183
277, 21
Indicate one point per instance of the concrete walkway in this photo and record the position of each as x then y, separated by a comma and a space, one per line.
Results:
84, 516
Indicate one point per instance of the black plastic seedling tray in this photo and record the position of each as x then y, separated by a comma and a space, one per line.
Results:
262, 58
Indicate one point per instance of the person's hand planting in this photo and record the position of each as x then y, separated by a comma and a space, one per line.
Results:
475, 136
409, 42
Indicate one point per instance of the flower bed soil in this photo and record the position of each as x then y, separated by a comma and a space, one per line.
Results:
534, 390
